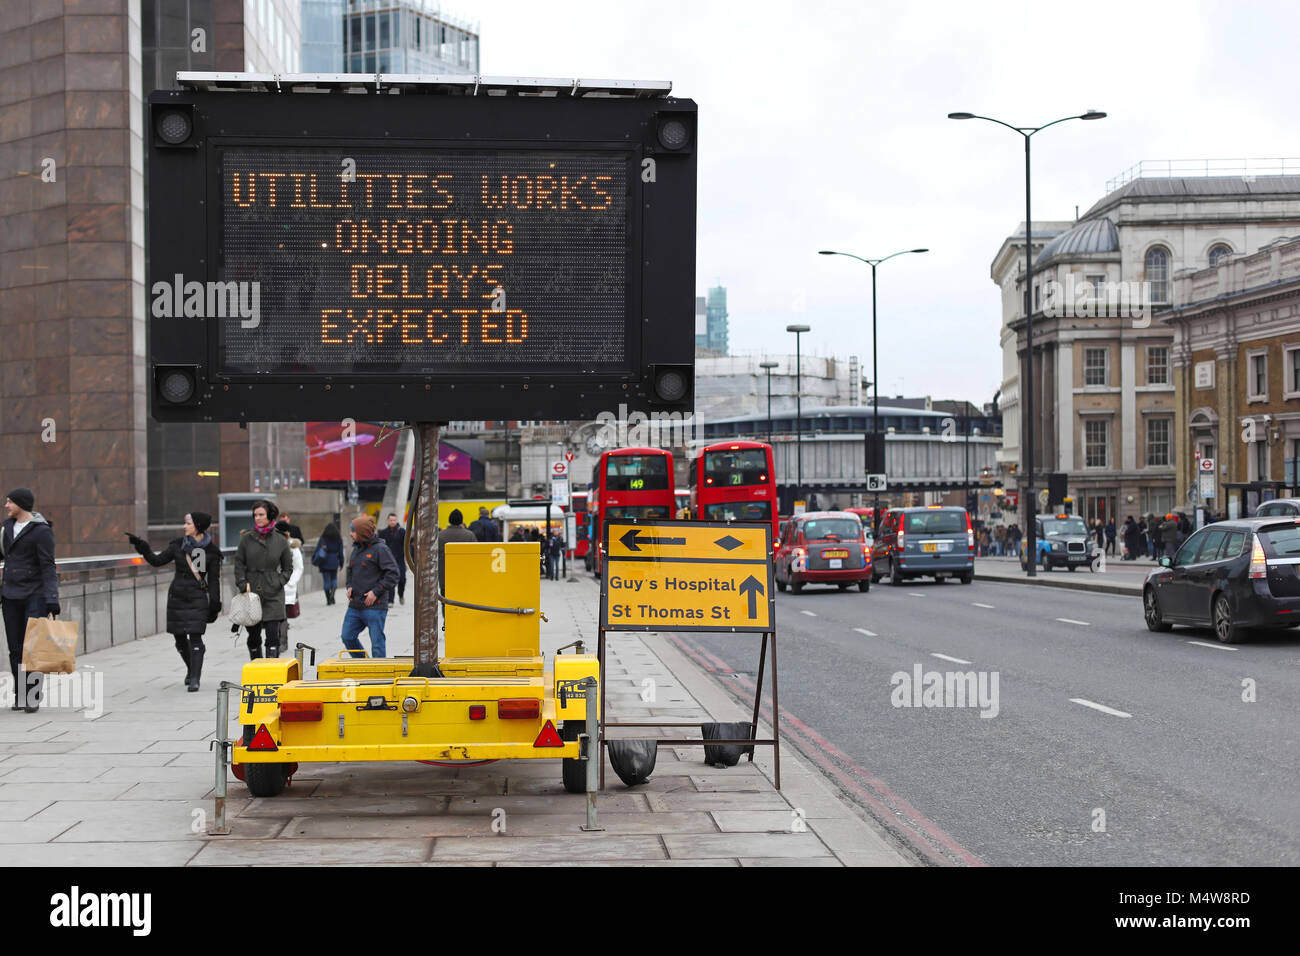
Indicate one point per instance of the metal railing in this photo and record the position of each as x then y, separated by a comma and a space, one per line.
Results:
1168, 168
117, 598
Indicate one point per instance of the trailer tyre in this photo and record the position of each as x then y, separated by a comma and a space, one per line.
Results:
572, 770
266, 779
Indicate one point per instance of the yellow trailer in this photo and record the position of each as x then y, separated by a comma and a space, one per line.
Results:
497, 699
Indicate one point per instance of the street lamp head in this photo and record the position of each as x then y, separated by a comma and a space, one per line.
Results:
918, 250
767, 364
827, 252
961, 116
1093, 115
797, 328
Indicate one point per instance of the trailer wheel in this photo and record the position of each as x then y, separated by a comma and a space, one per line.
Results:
572, 770
266, 779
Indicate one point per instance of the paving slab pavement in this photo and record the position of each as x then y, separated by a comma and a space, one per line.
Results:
127, 780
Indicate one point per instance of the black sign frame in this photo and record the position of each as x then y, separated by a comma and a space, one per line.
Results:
185, 234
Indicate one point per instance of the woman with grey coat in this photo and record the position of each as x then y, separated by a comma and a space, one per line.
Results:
264, 563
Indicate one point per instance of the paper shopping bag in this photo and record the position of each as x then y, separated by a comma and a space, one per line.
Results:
50, 646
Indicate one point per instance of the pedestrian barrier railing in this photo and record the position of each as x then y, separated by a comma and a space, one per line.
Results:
117, 598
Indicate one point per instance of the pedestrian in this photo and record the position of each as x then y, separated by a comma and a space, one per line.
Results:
294, 530
1155, 537
194, 596
31, 587
263, 562
485, 529
1132, 539
999, 540
1170, 536
554, 555
328, 558
1110, 536
372, 574
517, 534
394, 536
291, 609
455, 531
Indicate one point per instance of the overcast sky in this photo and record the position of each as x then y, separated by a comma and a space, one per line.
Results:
822, 126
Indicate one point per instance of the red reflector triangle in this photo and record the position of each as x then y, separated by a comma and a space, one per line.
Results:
262, 740
548, 737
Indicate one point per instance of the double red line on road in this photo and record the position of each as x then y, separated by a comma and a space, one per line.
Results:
901, 818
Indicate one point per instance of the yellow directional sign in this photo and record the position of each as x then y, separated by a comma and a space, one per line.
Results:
687, 576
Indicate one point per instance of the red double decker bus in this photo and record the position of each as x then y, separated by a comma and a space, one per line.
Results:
630, 483
733, 481
581, 544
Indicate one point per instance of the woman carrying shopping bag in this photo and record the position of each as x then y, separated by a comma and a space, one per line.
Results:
194, 597
264, 565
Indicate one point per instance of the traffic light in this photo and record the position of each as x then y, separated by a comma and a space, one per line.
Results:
1056, 488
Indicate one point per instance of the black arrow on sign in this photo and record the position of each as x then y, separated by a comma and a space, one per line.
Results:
753, 587
631, 541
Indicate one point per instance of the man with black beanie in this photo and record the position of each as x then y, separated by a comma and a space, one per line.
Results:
31, 586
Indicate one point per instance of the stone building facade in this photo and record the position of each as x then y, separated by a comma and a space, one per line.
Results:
1104, 380
1236, 363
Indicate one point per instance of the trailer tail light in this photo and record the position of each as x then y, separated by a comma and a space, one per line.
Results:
478, 712
548, 737
1258, 563
301, 710
519, 708
866, 554
262, 740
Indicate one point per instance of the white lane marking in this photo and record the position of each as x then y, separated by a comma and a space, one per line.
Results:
945, 657
863, 630
1070, 620
978, 604
1217, 647
915, 594
809, 613
1101, 707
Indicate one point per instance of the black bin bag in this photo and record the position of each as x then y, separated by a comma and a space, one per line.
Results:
632, 760
726, 755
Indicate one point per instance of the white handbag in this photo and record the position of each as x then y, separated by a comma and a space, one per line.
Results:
246, 608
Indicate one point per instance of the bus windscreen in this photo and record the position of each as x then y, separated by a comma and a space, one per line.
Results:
637, 473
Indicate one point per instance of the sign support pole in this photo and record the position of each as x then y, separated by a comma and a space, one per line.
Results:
424, 551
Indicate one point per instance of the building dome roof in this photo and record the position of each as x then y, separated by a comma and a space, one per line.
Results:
1091, 235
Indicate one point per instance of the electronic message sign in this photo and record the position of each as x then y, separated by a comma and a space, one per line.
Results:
418, 255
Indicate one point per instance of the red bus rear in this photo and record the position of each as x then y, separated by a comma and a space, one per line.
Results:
582, 524
734, 481
631, 483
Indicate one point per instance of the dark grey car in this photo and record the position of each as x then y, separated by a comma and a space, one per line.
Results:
931, 541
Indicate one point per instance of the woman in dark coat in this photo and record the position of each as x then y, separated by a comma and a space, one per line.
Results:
329, 558
194, 598
263, 562
1133, 539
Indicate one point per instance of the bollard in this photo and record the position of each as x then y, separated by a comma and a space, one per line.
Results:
219, 744
594, 755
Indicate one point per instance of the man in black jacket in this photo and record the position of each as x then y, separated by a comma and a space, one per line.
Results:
31, 587
372, 573
395, 537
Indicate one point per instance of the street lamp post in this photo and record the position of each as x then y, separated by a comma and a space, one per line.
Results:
769, 366
798, 331
1028, 388
875, 372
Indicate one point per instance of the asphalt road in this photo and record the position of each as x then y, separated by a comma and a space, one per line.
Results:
1095, 715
